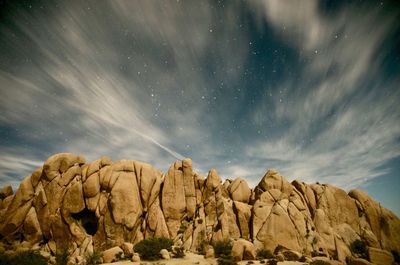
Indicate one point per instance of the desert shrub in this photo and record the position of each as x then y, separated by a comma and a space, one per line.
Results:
359, 247
93, 258
272, 262
264, 254
201, 249
120, 256
26, 258
222, 248
149, 249
202, 242
226, 259
319, 262
179, 252
279, 248
62, 257
396, 256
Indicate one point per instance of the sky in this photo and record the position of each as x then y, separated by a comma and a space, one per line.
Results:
311, 88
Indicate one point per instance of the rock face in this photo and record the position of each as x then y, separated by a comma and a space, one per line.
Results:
103, 205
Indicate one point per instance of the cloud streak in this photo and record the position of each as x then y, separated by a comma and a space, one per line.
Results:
343, 117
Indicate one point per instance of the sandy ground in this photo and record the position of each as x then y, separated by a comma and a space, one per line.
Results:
194, 259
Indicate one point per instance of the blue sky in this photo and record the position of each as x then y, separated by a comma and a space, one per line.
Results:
310, 88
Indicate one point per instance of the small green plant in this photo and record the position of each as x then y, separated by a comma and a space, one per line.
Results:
62, 257
359, 247
264, 254
222, 248
201, 249
93, 258
319, 262
226, 259
149, 249
272, 262
26, 258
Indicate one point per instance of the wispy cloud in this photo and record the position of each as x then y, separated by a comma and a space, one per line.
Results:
120, 78
343, 118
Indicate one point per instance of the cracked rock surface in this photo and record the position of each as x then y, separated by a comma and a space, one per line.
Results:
104, 204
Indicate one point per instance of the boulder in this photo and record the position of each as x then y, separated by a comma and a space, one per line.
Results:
32, 230
189, 187
6, 191
173, 198
243, 250
359, 261
60, 163
135, 257
125, 200
243, 216
273, 180
128, 249
112, 254
291, 255
239, 191
277, 227
104, 204
74, 201
165, 254
209, 254
327, 260
380, 257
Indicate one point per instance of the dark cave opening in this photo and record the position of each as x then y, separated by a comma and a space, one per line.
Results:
88, 221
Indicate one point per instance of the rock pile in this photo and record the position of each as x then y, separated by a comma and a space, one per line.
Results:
69, 203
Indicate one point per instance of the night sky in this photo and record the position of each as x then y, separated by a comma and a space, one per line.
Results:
311, 88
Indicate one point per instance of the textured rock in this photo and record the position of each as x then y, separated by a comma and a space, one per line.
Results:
273, 180
165, 254
60, 163
125, 200
272, 225
106, 205
243, 216
173, 198
135, 257
381, 223
128, 249
291, 255
379, 256
239, 191
359, 261
327, 260
5, 192
243, 250
209, 253
112, 254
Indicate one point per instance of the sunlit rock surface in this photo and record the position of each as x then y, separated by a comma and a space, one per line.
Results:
103, 204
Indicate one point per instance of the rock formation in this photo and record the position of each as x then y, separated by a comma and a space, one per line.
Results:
68, 203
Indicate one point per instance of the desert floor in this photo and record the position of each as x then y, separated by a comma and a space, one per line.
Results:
194, 259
